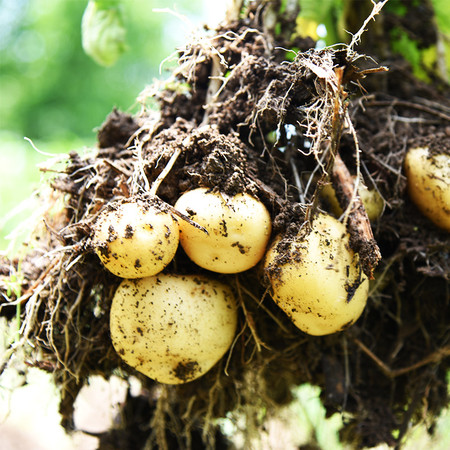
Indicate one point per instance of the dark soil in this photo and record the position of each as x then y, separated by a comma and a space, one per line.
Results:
386, 371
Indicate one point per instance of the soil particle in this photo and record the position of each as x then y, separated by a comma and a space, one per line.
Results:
129, 232
185, 371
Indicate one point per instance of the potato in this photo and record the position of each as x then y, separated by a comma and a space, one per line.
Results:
173, 328
135, 239
238, 228
429, 184
373, 202
371, 199
328, 194
317, 280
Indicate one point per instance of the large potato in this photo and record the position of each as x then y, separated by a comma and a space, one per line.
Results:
429, 184
173, 328
239, 228
317, 279
135, 239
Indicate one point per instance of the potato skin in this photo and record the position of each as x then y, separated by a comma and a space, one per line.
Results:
135, 239
318, 281
173, 328
239, 229
429, 184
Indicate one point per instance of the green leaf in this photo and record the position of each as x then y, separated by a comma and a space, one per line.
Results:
103, 31
442, 12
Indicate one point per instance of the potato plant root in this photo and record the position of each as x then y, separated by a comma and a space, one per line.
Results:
267, 124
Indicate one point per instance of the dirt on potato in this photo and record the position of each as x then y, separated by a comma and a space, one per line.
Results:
245, 113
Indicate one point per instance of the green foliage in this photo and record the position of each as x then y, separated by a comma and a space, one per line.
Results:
51, 89
428, 57
103, 31
311, 414
18, 176
53, 93
442, 11
317, 11
326, 12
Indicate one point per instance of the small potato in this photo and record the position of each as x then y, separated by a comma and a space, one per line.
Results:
429, 184
135, 239
239, 228
371, 199
328, 194
317, 280
173, 328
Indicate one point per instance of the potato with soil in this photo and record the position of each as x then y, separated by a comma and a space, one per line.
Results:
173, 328
238, 228
371, 199
135, 239
429, 184
317, 280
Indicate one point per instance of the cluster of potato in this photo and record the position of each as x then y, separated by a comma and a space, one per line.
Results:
174, 328
136, 239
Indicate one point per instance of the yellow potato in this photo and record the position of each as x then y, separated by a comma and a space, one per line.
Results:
239, 228
373, 202
173, 328
371, 199
318, 280
135, 239
328, 194
429, 184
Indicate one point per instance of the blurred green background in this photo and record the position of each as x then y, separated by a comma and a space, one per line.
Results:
52, 93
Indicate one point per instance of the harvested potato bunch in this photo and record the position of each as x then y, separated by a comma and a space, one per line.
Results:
318, 281
173, 328
238, 228
135, 239
429, 184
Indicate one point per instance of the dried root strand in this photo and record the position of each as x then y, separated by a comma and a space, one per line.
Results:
433, 358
